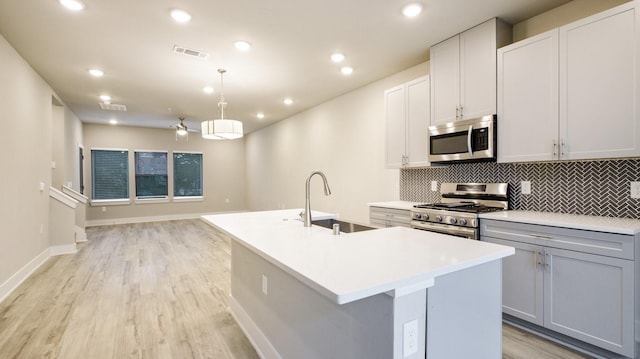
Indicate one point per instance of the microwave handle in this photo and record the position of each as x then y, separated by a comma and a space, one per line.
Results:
469, 140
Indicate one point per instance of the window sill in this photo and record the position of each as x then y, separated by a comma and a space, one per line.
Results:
189, 199
152, 200
110, 202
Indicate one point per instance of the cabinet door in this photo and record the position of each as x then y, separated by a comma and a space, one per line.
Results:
522, 281
590, 298
598, 86
395, 112
478, 70
418, 120
445, 80
528, 99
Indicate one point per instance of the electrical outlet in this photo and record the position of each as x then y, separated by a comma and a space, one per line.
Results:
525, 187
410, 340
103, 209
265, 284
635, 189
434, 186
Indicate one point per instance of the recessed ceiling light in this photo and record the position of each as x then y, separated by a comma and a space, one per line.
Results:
260, 115
113, 121
287, 101
180, 15
337, 57
346, 70
105, 98
96, 72
242, 46
208, 89
412, 10
73, 5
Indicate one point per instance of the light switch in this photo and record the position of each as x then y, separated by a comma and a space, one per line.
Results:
434, 186
525, 187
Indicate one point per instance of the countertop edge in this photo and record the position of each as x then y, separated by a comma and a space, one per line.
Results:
626, 226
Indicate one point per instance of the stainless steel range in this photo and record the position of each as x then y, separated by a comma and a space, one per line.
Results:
461, 205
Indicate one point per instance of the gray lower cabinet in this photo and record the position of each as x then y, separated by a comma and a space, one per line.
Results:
575, 282
389, 217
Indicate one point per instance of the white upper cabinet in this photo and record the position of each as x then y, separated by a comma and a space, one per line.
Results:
528, 99
571, 93
407, 117
598, 86
463, 73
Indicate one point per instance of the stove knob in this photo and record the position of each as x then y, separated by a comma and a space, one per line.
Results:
417, 216
453, 220
439, 218
463, 222
425, 217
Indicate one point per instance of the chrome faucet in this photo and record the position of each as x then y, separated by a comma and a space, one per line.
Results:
307, 204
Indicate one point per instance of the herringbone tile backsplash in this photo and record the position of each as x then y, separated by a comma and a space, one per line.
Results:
599, 188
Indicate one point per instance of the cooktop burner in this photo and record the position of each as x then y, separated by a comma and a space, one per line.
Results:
469, 207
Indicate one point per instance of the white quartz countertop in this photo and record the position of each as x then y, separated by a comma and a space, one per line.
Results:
353, 266
591, 223
394, 204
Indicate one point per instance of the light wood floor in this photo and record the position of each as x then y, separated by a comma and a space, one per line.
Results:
150, 290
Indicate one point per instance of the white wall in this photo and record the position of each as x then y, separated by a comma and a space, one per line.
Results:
73, 139
344, 138
25, 155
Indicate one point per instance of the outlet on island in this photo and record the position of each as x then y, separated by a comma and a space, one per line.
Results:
410, 340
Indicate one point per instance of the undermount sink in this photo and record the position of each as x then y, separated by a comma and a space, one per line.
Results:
345, 227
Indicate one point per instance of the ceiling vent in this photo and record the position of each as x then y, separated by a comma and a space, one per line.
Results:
113, 107
190, 52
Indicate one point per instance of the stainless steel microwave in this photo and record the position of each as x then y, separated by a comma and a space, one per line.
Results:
471, 140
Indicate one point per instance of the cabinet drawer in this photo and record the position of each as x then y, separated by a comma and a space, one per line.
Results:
400, 215
608, 244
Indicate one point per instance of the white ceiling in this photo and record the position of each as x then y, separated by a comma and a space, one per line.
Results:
132, 42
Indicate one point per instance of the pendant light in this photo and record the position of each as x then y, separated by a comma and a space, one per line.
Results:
222, 129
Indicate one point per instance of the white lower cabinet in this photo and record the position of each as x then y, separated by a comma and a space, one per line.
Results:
389, 217
575, 282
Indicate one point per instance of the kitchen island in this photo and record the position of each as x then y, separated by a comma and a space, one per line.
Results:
301, 292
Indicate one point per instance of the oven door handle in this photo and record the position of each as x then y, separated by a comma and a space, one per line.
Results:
469, 140
445, 229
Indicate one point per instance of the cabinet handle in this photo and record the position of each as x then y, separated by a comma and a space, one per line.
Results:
562, 145
555, 149
461, 112
543, 236
457, 113
546, 260
538, 259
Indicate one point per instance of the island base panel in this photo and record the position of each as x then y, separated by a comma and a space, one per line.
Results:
464, 314
295, 321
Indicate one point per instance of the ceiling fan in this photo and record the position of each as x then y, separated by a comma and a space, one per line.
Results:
181, 129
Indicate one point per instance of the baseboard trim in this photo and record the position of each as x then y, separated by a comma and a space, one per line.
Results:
81, 235
169, 217
21, 275
260, 342
63, 249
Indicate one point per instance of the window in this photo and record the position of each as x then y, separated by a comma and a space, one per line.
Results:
187, 174
151, 174
109, 174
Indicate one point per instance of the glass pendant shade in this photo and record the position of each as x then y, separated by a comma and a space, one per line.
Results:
221, 129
